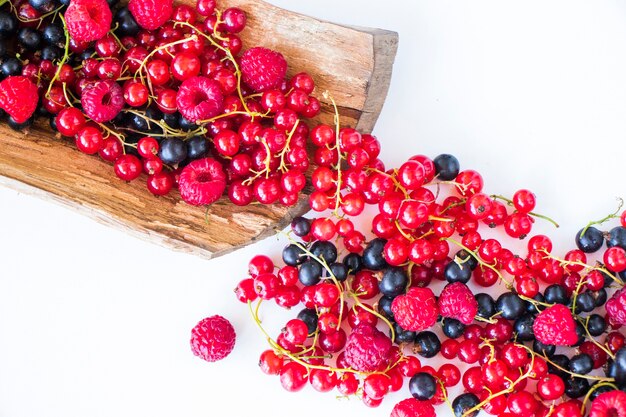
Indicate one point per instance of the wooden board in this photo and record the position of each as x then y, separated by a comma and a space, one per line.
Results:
353, 64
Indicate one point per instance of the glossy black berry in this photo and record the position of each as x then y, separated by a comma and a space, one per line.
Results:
310, 272
294, 255
326, 251
600, 296
486, 305
373, 255
11, 66
452, 328
8, 25
393, 282
600, 390
172, 120
43, 6
463, 403
29, 38
339, 270
617, 237
401, 335
51, 53
556, 294
510, 306
546, 350
523, 327
427, 344
423, 386
384, 307
186, 124
585, 302
354, 263
617, 367
562, 364
309, 317
197, 148
54, 35
581, 364
596, 325
301, 226
172, 151
447, 167
576, 387
536, 308
455, 272
590, 241
127, 26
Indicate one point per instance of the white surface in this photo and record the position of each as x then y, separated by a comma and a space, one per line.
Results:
96, 323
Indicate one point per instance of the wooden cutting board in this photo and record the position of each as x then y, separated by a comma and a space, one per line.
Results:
352, 64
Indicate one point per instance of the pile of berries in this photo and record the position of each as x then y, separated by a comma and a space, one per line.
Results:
372, 308
161, 89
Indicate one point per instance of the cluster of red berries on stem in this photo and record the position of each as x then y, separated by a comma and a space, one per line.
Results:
368, 316
165, 90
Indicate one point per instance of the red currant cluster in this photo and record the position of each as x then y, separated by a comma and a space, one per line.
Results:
429, 224
166, 86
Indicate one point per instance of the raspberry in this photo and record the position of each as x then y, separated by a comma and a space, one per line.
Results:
202, 182
88, 20
555, 326
102, 100
18, 97
263, 69
199, 98
616, 307
151, 14
416, 310
609, 404
456, 301
413, 408
213, 338
367, 349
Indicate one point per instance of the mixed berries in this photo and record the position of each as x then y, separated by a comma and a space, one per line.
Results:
160, 90
376, 294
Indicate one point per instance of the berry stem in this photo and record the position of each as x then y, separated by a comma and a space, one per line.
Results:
614, 215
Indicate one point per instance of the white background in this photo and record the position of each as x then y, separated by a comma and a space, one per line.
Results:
96, 323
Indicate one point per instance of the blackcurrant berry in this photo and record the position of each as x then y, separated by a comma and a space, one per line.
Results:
585, 302
556, 294
8, 25
590, 241
401, 335
172, 151
11, 66
447, 167
576, 387
457, 272
510, 306
324, 250
29, 38
393, 282
54, 35
310, 273
339, 270
423, 386
464, 256
293, 255
596, 325
581, 364
427, 344
486, 305
523, 327
126, 24
354, 263
373, 255
452, 328
196, 148
463, 403
301, 226
384, 307
562, 362
542, 349
309, 317
617, 237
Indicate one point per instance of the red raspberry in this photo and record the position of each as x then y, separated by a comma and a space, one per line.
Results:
413, 408
263, 69
457, 301
416, 310
199, 98
102, 100
202, 182
88, 20
151, 14
18, 97
555, 326
609, 404
213, 338
367, 349
616, 307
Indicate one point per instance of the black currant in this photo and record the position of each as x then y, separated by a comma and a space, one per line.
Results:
423, 386
427, 344
373, 255
589, 241
447, 167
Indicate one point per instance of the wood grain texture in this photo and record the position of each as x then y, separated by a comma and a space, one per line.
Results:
352, 64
